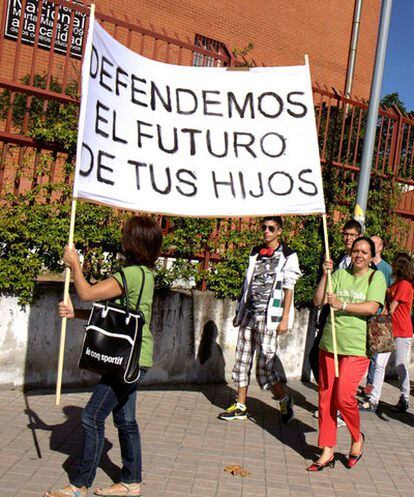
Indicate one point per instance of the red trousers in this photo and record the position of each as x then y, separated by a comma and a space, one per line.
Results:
339, 393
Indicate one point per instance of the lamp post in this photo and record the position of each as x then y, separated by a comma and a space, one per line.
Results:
374, 101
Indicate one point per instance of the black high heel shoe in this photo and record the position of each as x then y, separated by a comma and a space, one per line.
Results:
316, 466
354, 458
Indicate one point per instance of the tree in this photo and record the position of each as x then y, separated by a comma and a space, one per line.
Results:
394, 99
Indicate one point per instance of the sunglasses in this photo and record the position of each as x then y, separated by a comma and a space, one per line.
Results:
269, 227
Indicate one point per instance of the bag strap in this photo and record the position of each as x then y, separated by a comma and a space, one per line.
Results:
125, 287
142, 289
387, 300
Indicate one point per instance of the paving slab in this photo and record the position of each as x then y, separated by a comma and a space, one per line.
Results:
186, 447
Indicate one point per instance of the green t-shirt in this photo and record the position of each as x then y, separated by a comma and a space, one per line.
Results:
351, 330
133, 277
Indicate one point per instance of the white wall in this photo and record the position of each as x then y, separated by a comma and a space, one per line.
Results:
193, 333
29, 341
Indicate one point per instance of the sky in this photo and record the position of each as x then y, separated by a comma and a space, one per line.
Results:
399, 61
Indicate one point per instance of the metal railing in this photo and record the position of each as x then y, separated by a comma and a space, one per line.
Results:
340, 125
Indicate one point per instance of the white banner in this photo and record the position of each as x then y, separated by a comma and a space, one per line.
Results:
195, 141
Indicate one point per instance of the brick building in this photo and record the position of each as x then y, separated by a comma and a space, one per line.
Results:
280, 31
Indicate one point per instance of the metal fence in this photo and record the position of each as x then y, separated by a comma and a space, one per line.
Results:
40, 74
340, 125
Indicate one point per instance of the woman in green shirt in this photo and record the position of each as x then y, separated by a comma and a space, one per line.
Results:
358, 292
141, 245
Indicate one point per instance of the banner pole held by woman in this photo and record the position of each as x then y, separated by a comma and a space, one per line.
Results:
330, 290
85, 74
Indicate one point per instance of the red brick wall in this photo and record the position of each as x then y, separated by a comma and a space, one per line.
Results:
281, 31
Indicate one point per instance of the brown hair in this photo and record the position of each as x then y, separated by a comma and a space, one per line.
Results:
352, 224
141, 240
402, 267
276, 219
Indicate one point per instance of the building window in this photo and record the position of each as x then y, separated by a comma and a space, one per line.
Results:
210, 45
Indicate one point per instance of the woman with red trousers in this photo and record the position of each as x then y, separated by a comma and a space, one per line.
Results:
358, 293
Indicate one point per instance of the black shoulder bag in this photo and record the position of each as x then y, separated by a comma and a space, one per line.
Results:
113, 337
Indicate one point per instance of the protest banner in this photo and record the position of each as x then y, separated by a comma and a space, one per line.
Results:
196, 141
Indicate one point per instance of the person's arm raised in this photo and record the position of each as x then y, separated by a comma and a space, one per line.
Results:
106, 289
319, 298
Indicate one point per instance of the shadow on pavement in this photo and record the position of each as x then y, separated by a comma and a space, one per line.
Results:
301, 400
385, 410
66, 438
311, 385
268, 417
385, 413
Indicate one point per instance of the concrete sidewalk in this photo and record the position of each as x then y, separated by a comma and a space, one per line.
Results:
186, 448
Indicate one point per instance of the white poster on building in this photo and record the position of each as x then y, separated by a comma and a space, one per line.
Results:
195, 141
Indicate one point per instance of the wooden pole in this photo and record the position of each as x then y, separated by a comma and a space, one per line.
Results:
85, 82
328, 257
65, 300
329, 275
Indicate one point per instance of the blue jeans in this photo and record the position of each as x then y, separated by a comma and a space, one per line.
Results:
119, 398
371, 370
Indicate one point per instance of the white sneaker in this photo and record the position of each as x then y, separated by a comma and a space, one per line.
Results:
339, 421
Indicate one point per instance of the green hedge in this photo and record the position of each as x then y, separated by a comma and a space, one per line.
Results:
33, 235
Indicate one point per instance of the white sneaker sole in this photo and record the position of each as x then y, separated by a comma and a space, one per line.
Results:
242, 418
